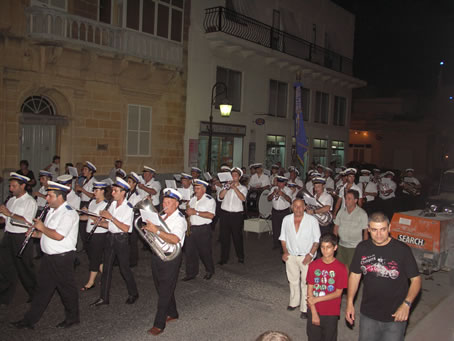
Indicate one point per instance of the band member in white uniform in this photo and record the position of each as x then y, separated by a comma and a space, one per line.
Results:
72, 198
325, 199
119, 220
151, 186
165, 274
370, 194
195, 172
96, 237
44, 177
274, 174
259, 181
134, 198
201, 211
58, 235
281, 198
20, 207
86, 190
387, 193
329, 186
350, 184
186, 191
232, 218
411, 190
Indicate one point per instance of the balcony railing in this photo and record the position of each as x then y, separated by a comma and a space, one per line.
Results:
53, 25
221, 19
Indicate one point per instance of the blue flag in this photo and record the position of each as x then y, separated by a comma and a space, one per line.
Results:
300, 132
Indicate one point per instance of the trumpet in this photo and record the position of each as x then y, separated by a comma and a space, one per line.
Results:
226, 185
33, 228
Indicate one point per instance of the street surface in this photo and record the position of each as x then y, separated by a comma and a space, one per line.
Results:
239, 303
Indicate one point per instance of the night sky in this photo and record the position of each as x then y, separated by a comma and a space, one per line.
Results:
399, 43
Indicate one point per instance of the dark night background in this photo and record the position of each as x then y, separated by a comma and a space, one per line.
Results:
399, 44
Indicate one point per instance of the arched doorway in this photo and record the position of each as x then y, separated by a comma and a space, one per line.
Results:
38, 132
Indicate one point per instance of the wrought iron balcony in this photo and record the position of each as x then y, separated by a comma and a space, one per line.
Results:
221, 19
53, 25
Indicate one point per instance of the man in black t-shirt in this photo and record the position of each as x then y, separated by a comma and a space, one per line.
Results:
387, 266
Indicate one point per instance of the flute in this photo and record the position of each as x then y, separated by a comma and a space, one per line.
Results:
33, 228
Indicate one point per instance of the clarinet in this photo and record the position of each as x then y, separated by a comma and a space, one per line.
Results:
33, 228
92, 232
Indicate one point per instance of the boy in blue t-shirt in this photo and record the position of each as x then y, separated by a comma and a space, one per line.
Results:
326, 279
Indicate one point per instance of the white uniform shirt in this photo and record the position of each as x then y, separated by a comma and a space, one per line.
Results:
73, 200
310, 187
65, 221
281, 203
156, 185
300, 244
177, 225
231, 202
88, 186
261, 181
329, 183
205, 204
371, 187
134, 198
354, 187
272, 177
24, 206
412, 180
41, 201
326, 199
187, 194
123, 213
93, 207
297, 181
391, 185
55, 170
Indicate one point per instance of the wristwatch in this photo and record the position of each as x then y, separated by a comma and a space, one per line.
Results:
158, 233
197, 213
310, 254
407, 303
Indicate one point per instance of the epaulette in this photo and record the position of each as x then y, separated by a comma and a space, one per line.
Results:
105, 200
68, 207
130, 205
181, 214
209, 196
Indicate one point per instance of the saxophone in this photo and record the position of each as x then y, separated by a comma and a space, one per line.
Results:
324, 219
162, 249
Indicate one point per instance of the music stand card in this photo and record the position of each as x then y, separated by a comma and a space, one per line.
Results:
171, 184
73, 171
386, 181
225, 176
364, 178
185, 193
177, 177
207, 176
151, 216
267, 172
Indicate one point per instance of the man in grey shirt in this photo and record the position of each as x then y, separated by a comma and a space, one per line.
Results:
351, 227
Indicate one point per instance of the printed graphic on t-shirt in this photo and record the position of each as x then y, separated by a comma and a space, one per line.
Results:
380, 267
324, 282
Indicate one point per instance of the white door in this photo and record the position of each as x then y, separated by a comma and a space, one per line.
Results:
37, 146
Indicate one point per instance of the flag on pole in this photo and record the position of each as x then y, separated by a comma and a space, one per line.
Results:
300, 132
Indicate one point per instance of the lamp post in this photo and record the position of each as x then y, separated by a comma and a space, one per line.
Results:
225, 108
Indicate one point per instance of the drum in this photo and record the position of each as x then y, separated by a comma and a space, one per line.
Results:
257, 204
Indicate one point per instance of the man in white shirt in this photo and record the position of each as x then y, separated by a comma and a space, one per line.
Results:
58, 235
86, 190
201, 211
281, 198
44, 177
19, 209
259, 181
118, 220
350, 184
113, 172
329, 186
165, 273
299, 237
186, 191
325, 199
232, 218
151, 186
274, 174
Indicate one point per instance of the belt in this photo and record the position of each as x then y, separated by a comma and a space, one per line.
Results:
15, 233
204, 225
285, 209
118, 233
59, 254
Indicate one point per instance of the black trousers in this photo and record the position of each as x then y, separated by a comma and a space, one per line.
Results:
117, 246
232, 224
326, 331
276, 220
12, 267
55, 272
165, 277
198, 244
95, 250
133, 247
83, 228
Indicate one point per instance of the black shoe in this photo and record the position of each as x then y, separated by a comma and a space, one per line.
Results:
21, 324
290, 308
241, 260
132, 299
303, 316
208, 276
65, 324
98, 303
188, 278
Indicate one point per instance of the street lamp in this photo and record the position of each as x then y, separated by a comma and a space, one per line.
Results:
225, 108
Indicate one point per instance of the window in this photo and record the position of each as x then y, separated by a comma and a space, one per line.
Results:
232, 79
278, 98
340, 108
321, 107
305, 102
337, 153
320, 147
275, 150
59, 4
38, 105
163, 18
139, 130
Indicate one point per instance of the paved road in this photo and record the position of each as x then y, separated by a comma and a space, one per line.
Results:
238, 303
